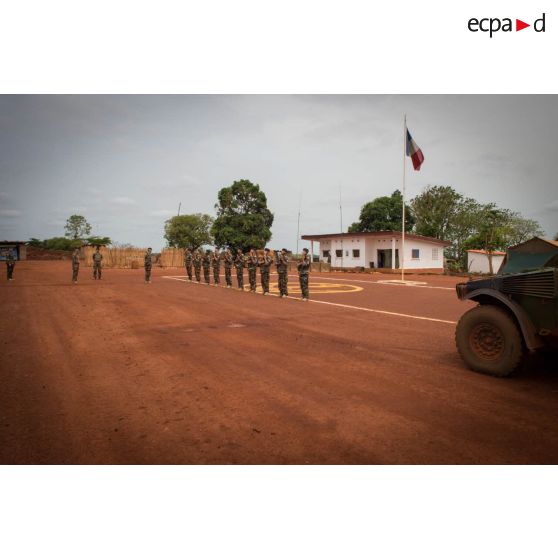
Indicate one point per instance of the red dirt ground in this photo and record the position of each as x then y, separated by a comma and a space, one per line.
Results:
118, 371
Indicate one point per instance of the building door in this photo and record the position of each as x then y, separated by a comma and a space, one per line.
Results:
384, 258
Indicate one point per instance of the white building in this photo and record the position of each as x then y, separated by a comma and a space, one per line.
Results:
380, 250
477, 261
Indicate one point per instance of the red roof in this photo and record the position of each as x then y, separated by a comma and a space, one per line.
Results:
495, 253
396, 234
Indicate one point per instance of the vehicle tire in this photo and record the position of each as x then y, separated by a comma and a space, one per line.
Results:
489, 341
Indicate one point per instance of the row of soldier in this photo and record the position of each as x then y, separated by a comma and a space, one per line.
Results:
197, 260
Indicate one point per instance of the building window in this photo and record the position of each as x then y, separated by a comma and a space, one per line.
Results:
435, 255
326, 253
338, 253
356, 253
415, 254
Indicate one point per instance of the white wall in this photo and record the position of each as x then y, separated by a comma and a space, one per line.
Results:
369, 246
478, 263
347, 246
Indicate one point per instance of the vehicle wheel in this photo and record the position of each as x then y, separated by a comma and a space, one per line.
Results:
489, 341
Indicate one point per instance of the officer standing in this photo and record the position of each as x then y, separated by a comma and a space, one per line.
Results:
188, 263
147, 263
10, 264
97, 259
216, 264
239, 264
265, 265
282, 270
206, 262
228, 259
252, 268
303, 273
75, 265
197, 265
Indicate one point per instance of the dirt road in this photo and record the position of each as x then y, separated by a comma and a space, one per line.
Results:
118, 371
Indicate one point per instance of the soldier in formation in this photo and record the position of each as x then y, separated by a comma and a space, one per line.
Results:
206, 263
216, 264
97, 263
239, 264
147, 263
75, 265
265, 265
228, 261
10, 265
197, 265
252, 268
188, 258
282, 264
303, 272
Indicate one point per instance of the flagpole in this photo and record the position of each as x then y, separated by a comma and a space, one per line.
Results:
402, 255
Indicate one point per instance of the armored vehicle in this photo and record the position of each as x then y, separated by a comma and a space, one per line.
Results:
517, 310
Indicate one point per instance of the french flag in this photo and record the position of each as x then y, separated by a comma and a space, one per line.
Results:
414, 152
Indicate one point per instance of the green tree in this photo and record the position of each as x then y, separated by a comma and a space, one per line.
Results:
384, 214
493, 233
61, 243
435, 210
522, 229
465, 223
189, 231
243, 218
98, 240
77, 227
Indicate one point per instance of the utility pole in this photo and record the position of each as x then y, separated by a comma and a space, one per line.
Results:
341, 224
298, 221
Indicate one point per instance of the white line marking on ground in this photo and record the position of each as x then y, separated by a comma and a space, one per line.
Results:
380, 282
383, 312
361, 308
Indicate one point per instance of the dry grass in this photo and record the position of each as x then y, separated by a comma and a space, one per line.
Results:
116, 257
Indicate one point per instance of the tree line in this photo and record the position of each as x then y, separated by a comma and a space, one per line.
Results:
443, 213
77, 233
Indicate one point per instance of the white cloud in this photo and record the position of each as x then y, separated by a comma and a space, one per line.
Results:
123, 200
552, 206
10, 213
162, 213
56, 223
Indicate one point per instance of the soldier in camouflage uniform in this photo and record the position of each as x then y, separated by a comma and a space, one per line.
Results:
147, 263
282, 270
239, 264
303, 273
265, 265
252, 269
75, 265
10, 264
197, 265
228, 259
97, 265
188, 258
216, 264
206, 263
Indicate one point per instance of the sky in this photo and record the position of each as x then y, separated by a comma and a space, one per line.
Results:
127, 162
